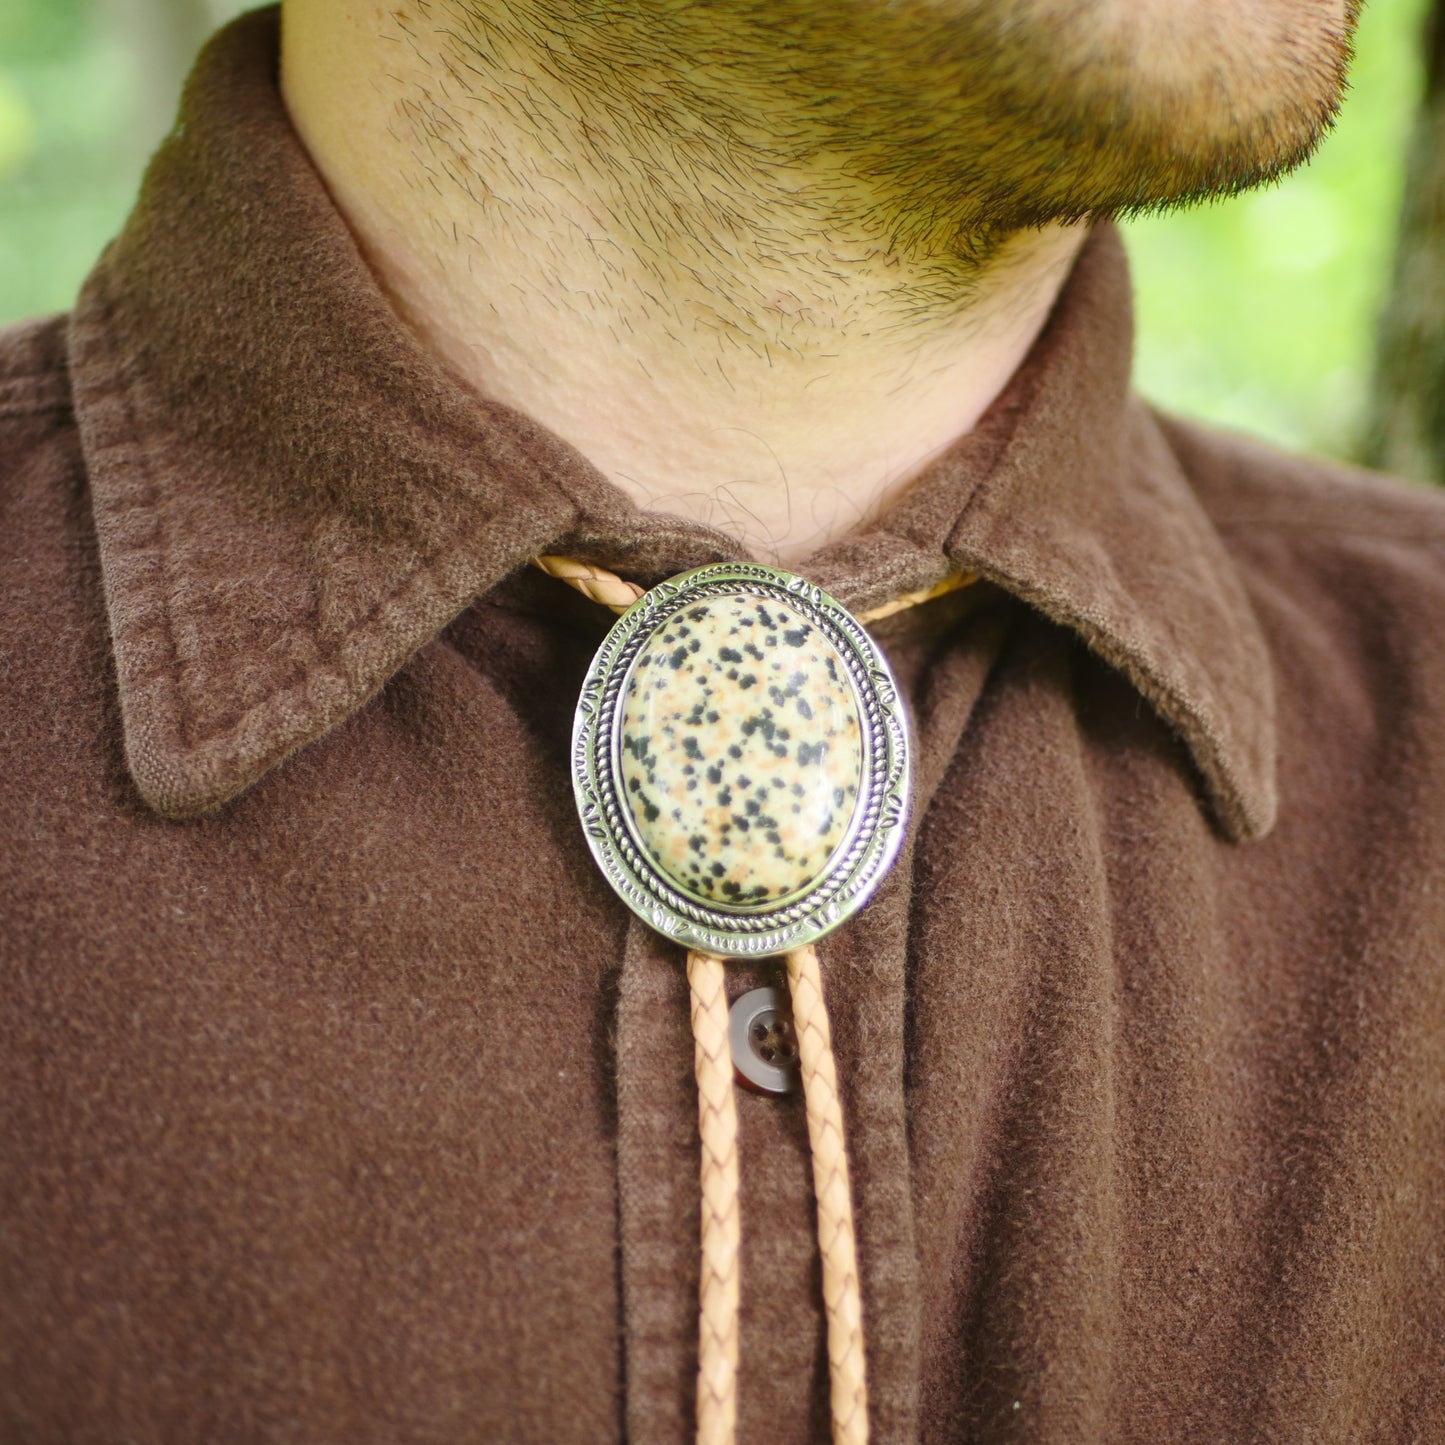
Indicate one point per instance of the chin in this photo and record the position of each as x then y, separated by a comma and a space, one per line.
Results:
964, 120
931, 130
1213, 85
1071, 110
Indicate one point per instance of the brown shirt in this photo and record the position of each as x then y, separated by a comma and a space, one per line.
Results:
340, 1100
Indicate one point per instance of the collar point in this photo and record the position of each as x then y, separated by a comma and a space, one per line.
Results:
1246, 815
180, 777
179, 784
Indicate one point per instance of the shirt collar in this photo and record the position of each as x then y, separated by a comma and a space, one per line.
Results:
292, 495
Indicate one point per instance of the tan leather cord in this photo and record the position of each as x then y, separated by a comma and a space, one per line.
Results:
717, 1374
596, 583
718, 1291
902, 603
615, 592
721, 1219
842, 1297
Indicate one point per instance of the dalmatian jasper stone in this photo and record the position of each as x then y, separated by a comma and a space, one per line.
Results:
740, 749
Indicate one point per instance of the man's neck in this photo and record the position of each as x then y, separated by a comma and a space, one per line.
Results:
711, 331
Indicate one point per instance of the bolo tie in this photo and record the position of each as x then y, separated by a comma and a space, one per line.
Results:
740, 760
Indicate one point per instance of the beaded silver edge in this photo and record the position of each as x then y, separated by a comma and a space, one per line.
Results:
875, 831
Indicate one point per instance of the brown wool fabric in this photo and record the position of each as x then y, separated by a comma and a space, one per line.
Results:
341, 1101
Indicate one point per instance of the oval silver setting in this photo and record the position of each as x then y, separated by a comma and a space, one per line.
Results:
874, 832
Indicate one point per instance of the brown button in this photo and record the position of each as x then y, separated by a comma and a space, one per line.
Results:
763, 1042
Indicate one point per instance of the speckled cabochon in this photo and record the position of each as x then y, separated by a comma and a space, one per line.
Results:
739, 749
740, 760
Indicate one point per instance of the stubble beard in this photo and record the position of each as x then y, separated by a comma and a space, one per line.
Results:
908, 141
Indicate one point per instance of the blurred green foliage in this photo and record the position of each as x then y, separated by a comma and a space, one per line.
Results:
1258, 313
69, 90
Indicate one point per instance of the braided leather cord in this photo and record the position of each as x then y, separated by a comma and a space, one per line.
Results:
717, 1374
596, 583
600, 585
902, 603
842, 1297
718, 1291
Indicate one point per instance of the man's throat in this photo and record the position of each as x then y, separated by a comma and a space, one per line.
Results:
714, 339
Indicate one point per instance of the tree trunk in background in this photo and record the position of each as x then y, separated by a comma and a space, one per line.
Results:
1406, 426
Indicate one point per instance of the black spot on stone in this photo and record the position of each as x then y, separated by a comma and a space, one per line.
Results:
712, 717
804, 709
714, 774
725, 798
690, 747
697, 613
728, 654
734, 751
731, 889
698, 843
746, 680
717, 870
810, 753
773, 836
740, 823
796, 636
677, 657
